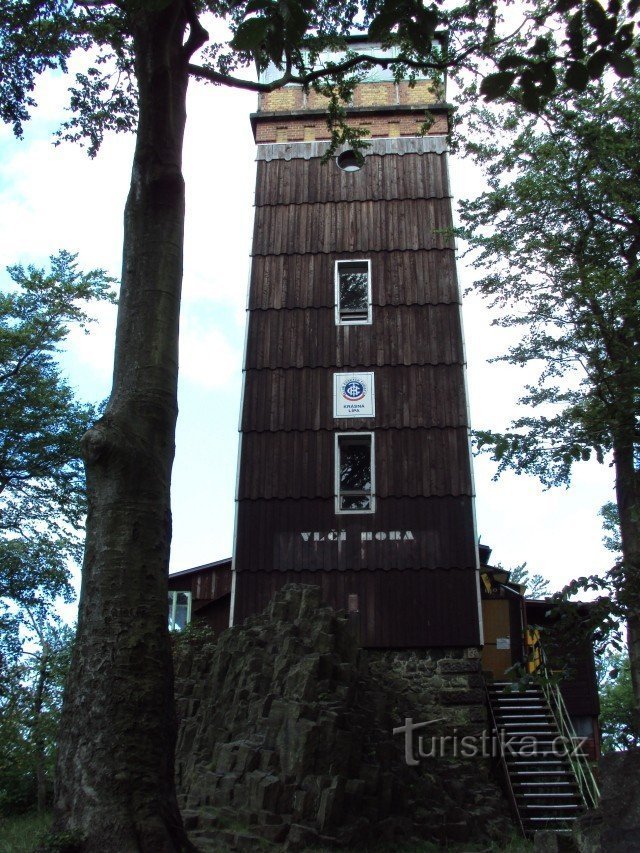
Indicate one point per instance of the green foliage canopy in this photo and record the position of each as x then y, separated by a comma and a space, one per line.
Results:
42, 503
617, 719
41, 479
40, 421
512, 48
559, 229
557, 236
537, 585
31, 687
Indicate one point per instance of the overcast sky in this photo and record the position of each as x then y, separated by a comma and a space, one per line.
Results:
53, 198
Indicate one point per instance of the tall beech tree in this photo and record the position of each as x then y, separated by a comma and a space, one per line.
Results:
42, 495
115, 772
42, 507
559, 231
42, 498
34, 656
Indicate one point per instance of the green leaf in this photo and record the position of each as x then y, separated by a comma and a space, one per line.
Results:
251, 34
597, 63
623, 65
624, 37
577, 76
381, 26
428, 20
530, 98
496, 85
512, 61
543, 73
297, 20
275, 46
565, 5
575, 35
603, 25
595, 14
258, 6
540, 46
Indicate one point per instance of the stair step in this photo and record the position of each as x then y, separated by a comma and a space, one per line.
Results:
517, 694
554, 818
550, 761
541, 773
521, 716
540, 737
501, 691
536, 731
544, 786
538, 794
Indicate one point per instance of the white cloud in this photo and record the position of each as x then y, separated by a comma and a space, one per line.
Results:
210, 358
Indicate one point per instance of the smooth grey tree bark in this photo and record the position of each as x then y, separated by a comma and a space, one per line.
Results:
115, 766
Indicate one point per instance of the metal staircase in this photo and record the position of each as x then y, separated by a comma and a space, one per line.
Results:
535, 743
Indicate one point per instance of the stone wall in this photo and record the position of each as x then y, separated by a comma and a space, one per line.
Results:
286, 730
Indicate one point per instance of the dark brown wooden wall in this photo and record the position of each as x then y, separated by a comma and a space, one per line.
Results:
412, 563
396, 608
206, 583
441, 528
580, 688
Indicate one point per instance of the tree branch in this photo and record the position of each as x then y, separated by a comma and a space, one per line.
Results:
10, 374
197, 33
305, 79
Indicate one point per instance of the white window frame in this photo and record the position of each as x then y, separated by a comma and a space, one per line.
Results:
347, 321
174, 593
338, 493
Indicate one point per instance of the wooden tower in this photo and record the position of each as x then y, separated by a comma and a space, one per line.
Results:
355, 471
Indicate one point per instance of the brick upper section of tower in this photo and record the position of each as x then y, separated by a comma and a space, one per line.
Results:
384, 108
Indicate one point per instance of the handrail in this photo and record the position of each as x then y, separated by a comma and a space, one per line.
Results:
581, 768
503, 762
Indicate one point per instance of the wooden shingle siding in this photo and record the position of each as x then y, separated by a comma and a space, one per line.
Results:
408, 462
425, 334
397, 609
414, 176
406, 397
424, 277
412, 562
441, 527
363, 226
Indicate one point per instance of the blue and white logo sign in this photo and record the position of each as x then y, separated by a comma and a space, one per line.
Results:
353, 395
354, 390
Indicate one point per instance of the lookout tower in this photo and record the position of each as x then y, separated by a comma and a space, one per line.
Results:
355, 470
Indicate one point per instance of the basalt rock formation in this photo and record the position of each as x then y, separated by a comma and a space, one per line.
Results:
287, 736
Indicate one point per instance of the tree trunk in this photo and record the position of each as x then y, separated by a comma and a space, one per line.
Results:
628, 500
41, 778
114, 778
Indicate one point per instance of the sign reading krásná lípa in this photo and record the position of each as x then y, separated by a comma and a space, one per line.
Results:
353, 395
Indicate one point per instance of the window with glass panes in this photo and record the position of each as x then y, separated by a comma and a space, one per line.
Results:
179, 609
354, 472
353, 292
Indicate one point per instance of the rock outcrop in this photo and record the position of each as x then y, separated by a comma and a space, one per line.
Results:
615, 826
287, 736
